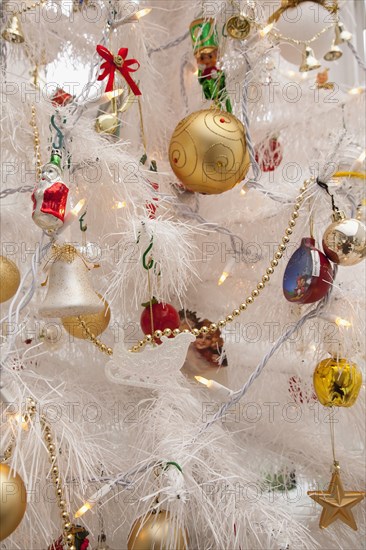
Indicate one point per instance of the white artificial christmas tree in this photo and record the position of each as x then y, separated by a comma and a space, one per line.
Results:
205, 432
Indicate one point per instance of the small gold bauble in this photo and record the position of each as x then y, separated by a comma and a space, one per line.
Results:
9, 279
337, 382
107, 123
96, 322
208, 151
13, 501
238, 27
344, 241
156, 532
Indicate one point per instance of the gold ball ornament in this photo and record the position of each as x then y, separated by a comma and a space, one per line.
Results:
208, 152
107, 124
156, 531
13, 501
337, 382
344, 241
96, 322
9, 279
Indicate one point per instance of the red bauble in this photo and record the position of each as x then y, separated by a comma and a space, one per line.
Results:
269, 154
61, 98
164, 316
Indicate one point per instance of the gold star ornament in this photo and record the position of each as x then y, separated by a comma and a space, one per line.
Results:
337, 502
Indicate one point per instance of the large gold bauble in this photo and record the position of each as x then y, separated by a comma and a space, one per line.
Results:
208, 152
337, 382
96, 322
344, 241
13, 501
156, 532
9, 279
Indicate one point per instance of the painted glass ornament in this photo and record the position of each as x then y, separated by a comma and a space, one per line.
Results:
61, 98
268, 154
205, 43
50, 197
344, 241
308, 274
337, 382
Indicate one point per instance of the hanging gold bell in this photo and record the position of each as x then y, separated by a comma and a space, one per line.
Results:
309, 61
69, 290
341, 35
13, 31
334, 53
238, 27
108, 122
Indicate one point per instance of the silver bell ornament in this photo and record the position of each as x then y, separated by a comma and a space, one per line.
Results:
309, 61
344, 241
69, 290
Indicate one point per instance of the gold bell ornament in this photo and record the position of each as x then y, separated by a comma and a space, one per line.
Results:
69, 290
341, 35
344, 241
238, 27
337, 382
334, 53
208, 151
9, 279
157, 531
13, 31
309, 61
13, 501
96, 322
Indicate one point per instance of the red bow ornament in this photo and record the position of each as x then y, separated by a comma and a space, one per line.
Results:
119, 63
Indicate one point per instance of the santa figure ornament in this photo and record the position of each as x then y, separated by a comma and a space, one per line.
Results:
50, 196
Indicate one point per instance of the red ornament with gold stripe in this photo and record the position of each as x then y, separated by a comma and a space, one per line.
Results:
50, 196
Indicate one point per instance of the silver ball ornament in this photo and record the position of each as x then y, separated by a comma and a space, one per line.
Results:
344, 241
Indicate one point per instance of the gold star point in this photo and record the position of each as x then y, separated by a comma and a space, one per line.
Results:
337, 502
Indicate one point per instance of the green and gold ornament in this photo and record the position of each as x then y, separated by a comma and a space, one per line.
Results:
205, 42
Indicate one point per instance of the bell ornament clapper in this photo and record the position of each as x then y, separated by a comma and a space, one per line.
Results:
69, 292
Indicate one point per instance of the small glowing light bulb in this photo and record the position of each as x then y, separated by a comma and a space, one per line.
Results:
263, 32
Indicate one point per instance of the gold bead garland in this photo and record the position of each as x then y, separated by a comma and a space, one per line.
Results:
37, 148
255, 292
149, 338
69, 537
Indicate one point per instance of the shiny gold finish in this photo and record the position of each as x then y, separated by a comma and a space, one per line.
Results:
37, 143
96, 322
69, 537
208, 151
9, 279
337, 502
255, 293
13, 31
344, 241
334, 53
238, 27
92, 337
13, 500
337, 382
156, 531
309, 61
